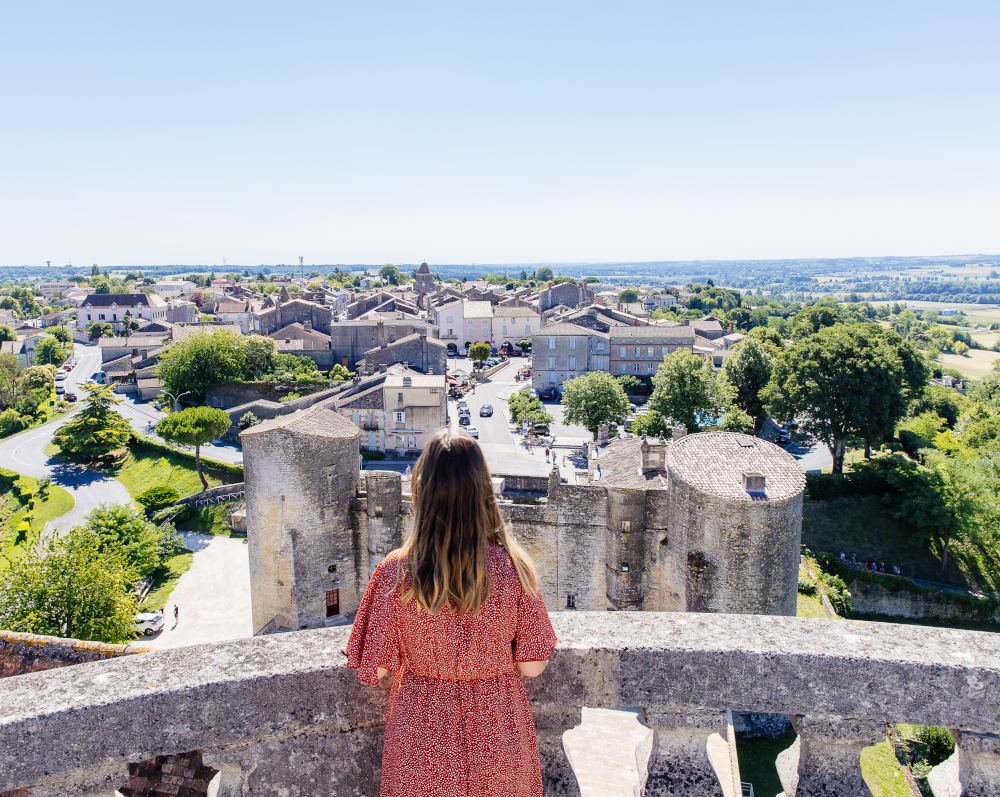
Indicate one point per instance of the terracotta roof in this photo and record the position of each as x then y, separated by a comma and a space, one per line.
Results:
715, 462
656, 332
317, 421
567, 328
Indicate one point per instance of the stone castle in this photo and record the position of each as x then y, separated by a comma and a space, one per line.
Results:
709, 522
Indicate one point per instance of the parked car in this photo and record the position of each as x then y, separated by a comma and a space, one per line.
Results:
783, 437
66, 367
463, 405
548, 394
472, 431
61, 375
464, 419
60, 389
71, 397
486, 411
540, 429
148, 623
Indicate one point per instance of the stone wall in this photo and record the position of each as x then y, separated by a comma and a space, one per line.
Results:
26, 653
870, 598
305, 725
236, 394
417, 351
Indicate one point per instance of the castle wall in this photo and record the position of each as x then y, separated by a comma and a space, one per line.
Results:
298, 492
736, 556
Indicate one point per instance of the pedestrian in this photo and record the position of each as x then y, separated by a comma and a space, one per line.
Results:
843, 556
409, 470
895, 570
177, 614
460, 633
546, 453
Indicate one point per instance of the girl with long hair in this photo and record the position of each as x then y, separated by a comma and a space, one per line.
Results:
457, 615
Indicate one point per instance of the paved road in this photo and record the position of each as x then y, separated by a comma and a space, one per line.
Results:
213, 597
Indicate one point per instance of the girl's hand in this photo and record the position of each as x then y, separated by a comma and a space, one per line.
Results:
382, 672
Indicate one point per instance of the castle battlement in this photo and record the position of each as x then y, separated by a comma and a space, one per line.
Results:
281, 714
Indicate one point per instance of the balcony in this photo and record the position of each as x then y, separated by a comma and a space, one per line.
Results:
282, 715
370, 426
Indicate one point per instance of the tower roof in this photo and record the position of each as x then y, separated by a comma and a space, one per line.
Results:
317, 421
424, 268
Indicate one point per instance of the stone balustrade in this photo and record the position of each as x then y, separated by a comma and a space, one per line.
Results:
282, 714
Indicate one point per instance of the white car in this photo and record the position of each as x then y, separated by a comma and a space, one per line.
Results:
61, 375
472, 431
148, 623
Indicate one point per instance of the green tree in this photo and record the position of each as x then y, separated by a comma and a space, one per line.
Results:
628, 296
36, 377
94, 270
339, 373
543, 274
747, 371
98, 330
630, 384
684, 389
121, 529
9, 380
259, 353
844, 381
389, 273
50, 350
524, 344
810, 320
7, 333
592, 399
61, 334
195, 426
201, 361
735, 419
98, 430
69, 586
479, 352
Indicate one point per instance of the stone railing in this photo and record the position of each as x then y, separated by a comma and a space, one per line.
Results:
214, 495
283, 715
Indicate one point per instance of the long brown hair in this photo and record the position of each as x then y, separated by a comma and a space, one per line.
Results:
455, 518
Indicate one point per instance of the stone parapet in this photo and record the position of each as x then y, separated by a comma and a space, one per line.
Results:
283, 713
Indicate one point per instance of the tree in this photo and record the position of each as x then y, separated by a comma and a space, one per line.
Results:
684, 389
810, 320
628, 296
339, 373
389, 273
70, 586
195, 426
736, 420
248, 419
630, 384
36, 377
592, 399
50, 350
543, 274
99, 330
9, 380
7, 333
98, 430
747, 372
201, 361
479, 352
121, 529
61, 334
524, 344
94, 270
259, 353
843, 381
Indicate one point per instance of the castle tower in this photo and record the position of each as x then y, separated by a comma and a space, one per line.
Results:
625, 548
384, 514
423, 280
301, 473
734, 523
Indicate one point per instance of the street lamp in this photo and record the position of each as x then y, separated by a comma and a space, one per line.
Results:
177, 399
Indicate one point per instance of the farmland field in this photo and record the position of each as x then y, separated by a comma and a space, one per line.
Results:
975, 366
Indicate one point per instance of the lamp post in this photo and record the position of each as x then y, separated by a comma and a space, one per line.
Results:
176, 399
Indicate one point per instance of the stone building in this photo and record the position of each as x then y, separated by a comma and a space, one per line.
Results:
567, 293
353, 340
640, 350
709, 522
423, 280
417, 351
563, 351
292, 311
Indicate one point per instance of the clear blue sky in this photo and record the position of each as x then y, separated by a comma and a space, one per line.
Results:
185, 132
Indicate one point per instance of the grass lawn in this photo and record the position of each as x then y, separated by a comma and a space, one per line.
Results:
811, 606
757, 757
209, 520
882, 772
987, 339
14, 547
141, 469
975, 366
166, 579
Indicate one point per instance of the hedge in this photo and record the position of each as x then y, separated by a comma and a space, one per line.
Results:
8, 477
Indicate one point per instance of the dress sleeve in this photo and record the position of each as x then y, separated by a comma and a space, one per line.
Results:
374, 638
535, 639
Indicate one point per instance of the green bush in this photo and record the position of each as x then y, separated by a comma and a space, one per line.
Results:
12, 421
174, 515
938, 743
806, 587
372, 455
8, 477
156, 498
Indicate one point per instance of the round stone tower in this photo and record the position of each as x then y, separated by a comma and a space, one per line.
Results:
625, 547
735, 515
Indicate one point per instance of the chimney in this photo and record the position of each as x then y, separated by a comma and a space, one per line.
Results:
383, 367
602, 434
678, 431
308, 324
754, 483
407, 381
654, 453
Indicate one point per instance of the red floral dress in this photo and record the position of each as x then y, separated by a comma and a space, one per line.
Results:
458, 724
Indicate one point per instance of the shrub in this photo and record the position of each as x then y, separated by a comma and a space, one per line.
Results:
173, 515
43, 485
156, 498
806, 587
371, 455
12, 421
8, 477
247, 420
938, 742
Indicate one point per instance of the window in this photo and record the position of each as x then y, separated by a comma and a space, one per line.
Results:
331, 569
399, 398
621, 368
527, 329
635, 368
572, 342
571, 601
650, 351
101, 316
448, 319
623, 352
399, 417
572, 363
651, 367
624, 567
637, 351
552, 343
626, 526
332, 602
552, 363
503, 330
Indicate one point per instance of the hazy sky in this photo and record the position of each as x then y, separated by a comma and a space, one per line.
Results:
184, 132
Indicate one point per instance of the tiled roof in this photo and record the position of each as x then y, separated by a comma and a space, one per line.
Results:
715, 462
656, 332
317, 421
567, 328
